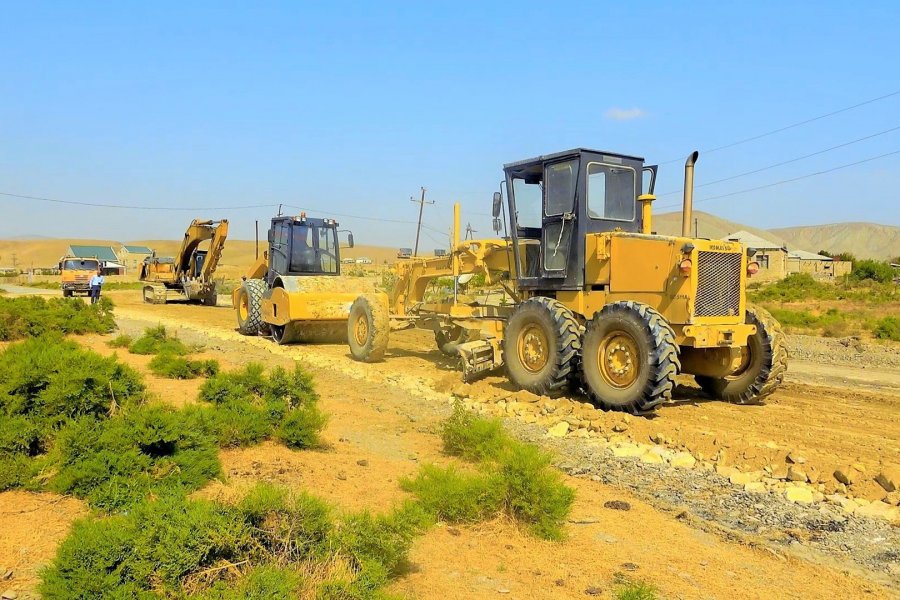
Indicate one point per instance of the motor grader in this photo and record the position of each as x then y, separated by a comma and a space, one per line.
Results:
189, 273
594, 300
275, 297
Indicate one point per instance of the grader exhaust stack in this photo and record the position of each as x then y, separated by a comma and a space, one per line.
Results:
688, 209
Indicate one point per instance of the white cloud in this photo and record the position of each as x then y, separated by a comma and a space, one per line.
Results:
624, 114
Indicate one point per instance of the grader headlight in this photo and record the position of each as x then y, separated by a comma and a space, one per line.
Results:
685, 267
752, 268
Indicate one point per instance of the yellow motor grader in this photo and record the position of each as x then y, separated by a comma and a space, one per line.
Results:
278, 297
594, 300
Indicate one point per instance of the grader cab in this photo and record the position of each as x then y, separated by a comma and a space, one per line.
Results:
600, 302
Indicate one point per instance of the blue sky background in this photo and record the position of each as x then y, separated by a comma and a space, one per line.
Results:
350, 107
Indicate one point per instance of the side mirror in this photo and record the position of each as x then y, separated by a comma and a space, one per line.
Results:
498, 199
349, 240
271, 237
497, 225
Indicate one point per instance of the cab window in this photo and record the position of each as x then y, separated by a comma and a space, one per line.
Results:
610, 192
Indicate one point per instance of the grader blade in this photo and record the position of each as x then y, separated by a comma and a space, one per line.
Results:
479, 357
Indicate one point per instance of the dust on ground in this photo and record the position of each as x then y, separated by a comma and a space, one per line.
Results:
689, 543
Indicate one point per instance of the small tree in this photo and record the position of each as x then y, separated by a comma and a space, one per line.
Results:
873, 270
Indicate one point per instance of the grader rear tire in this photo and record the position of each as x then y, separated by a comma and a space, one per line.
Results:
541, 346
368, 329
763, 367
249, 307
629, 358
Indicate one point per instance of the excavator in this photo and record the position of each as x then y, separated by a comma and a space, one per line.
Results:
189, 274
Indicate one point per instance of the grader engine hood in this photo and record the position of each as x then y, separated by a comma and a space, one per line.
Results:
697, 284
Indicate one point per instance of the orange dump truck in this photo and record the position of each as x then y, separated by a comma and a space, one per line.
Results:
76, 274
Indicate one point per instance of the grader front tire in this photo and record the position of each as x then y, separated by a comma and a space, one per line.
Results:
541, 346
368, 329
629, 358
763, 367
249, 307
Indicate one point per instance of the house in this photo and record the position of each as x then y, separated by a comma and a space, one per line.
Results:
817, 265
109, 262
133, 256
771, 256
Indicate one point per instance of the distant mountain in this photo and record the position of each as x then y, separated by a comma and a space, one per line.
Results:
865, 240
708, 226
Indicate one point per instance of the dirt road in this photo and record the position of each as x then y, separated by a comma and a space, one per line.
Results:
688, 533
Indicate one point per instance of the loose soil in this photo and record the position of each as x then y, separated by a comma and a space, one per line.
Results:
687, 533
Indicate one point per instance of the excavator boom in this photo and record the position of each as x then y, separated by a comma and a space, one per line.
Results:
190, 272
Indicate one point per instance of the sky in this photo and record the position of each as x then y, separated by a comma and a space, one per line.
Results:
347, 109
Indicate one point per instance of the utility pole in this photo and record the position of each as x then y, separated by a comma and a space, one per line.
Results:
422, 204
696, 227
14, 260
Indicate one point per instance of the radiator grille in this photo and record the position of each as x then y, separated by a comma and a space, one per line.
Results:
718, 284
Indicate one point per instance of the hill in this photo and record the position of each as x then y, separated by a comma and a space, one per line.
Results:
865, 240
708, 226
237, 256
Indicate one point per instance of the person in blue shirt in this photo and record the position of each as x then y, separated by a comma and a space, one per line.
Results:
96, 284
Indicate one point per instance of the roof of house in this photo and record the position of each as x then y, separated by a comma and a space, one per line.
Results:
138, 249
99, 252
804, 255
753, 241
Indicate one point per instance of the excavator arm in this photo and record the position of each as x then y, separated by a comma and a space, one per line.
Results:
215, 250
197, 233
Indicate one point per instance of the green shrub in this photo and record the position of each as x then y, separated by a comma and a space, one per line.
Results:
535, 492
301, 426
795, 287
473, 438
157, 341
292, 528
33, 316
172, 366
514, 477
155, 548
636, 591
378, 545
232, 426
120, 341
116, 463
457, 497
251, 406
888, 328
873, 270
266, 582
179, 548
50, 380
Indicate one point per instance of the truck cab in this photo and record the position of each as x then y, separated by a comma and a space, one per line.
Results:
75, 274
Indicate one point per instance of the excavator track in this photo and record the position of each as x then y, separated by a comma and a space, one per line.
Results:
155, 294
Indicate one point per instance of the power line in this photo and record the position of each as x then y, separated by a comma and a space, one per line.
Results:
132, 207
787, 162
783, 181
202, 208
791, 126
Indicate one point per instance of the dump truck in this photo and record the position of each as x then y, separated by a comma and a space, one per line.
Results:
188, 274
594, 301
75, 274
274, 298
